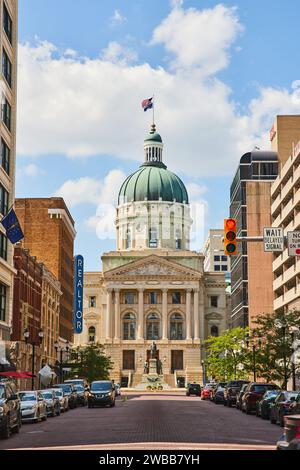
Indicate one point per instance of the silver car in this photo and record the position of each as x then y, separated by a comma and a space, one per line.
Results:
63, 399
52, 402
33, 406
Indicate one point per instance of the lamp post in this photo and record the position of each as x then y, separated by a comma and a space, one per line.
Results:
26, 335
254, 346
203, 371
282, 325
61, 350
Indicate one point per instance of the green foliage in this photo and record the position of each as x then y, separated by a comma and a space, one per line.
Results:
227, 357
275, 355
90, 362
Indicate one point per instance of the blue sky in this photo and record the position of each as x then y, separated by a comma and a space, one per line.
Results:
220, 72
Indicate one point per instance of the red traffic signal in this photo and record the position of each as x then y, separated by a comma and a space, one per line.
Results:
230, 241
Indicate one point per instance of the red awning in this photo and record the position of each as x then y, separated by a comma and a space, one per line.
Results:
17, 375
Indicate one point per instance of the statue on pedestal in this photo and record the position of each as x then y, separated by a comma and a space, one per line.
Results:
153, 350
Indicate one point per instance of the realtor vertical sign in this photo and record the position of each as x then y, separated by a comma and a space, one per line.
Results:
78, 294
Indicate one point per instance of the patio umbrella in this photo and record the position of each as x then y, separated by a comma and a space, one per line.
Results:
17, 375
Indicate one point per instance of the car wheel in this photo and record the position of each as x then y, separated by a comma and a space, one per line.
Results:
36, 420
53, 414
113, 404
44, 418
257, 412
5, 433
248, 411
272, 420
16, 429
58, 411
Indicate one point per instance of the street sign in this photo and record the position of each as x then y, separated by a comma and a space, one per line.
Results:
273, 239
293, 243
78, 294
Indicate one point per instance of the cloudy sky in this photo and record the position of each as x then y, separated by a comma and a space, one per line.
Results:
220, 72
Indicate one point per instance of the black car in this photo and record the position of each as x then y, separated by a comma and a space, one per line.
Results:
291, 437
231, 390
295, 406
264, 405
70, 392
101, 393
193, 389
81, 394
282, 406
10, 409
239, 397
218, 393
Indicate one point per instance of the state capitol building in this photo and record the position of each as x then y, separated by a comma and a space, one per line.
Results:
153, 287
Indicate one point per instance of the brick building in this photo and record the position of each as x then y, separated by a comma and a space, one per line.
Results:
49, 234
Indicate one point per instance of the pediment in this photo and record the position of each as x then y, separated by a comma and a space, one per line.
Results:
152, 267
213, 316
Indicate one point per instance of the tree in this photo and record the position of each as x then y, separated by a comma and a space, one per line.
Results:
227, 357
274, 358
90, 362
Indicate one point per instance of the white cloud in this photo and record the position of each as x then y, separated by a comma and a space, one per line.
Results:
31, 170
117, 54
199, 38
117, 18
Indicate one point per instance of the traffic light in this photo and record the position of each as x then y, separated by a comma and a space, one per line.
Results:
230, 241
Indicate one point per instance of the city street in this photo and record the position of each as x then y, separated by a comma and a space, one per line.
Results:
150, 421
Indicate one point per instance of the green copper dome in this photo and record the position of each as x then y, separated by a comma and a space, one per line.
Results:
153, 137
152, 183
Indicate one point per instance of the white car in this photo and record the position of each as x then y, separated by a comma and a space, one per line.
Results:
63, 399
33, 406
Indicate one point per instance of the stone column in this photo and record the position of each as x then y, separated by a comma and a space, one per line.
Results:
196, 314
140, 329
188, 314
202, 314
165, 313
108, 315
117, 315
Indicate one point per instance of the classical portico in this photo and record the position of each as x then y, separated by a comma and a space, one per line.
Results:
153, 287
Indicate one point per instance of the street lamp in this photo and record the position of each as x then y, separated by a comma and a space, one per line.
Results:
26, 335
254, 346
203, 371
282, 325
61, 349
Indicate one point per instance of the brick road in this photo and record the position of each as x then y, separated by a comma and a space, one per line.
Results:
150, 421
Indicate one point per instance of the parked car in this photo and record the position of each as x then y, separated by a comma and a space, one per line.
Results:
218, 394
10, 409
70, 392
52, 402
239, 396
118, 390
264, 405
33, 406
83, 382
282, 406
295, 406
193, 389
102, 392
253, 393
206, 392
82, 394
63, 399
231, 390
291, 437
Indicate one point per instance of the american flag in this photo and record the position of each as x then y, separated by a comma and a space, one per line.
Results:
147, 104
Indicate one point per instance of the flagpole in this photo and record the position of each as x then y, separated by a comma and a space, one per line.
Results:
153, 109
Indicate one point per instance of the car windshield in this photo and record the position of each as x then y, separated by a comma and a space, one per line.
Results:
2, 391
271, 393
47, 395
58, 393
220, 388
235, 383
97, 386
66, 388
262, 388
292, 395
27, 396
194, 386
79, 388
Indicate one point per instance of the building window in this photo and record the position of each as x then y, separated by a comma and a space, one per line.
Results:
216, 258
178, 243
153, 326
129, 326
217, 267
224, 268
6, 113
7, 23
92, 334
153, 298
129, 298
214, 301
224, 258
153, 237
176, 327
176, 298
3, 293
128, 239
6, 67
3, 200
214, 331
5, 156
92, 302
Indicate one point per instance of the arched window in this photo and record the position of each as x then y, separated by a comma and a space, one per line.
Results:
178, 243
176, 326
129, 326
92, 334
128, 239
153, 237
153, 326
214, 331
